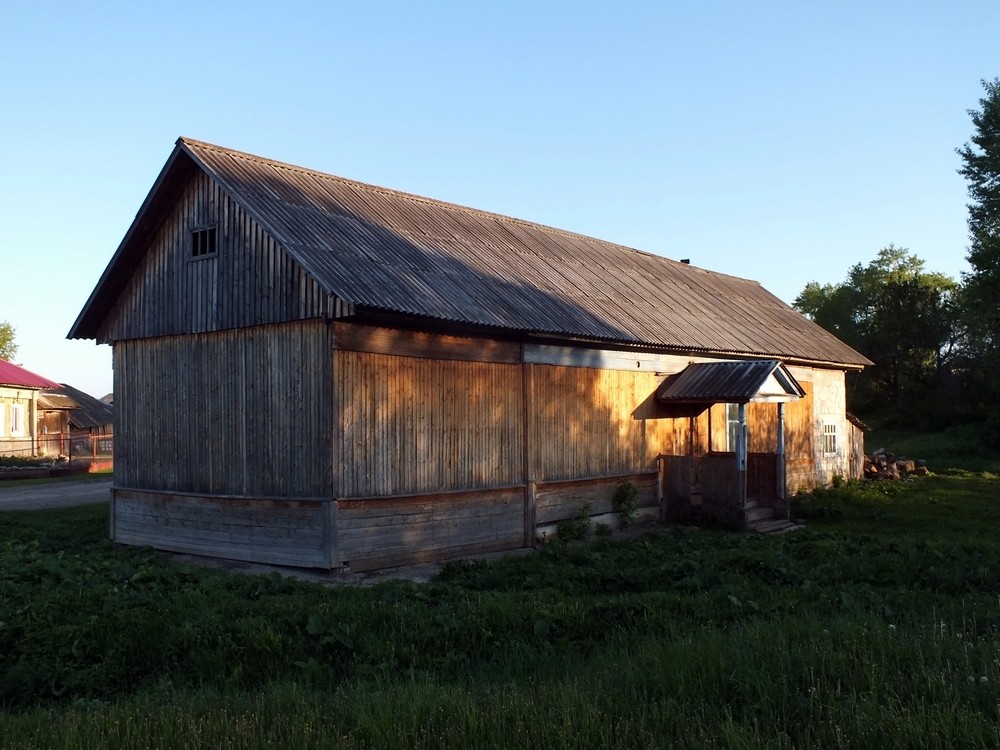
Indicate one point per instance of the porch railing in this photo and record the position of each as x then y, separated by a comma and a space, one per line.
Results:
708, 486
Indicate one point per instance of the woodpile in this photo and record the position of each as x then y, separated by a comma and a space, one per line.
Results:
883, 464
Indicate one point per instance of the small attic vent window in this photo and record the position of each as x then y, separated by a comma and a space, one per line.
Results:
203, 242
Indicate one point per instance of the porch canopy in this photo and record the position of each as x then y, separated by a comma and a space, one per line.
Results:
730, 382
702, 384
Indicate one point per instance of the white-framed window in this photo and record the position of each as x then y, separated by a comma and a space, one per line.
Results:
17, 422
829, 438
3, 419
732, 426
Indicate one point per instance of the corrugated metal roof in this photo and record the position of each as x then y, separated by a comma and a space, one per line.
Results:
89, 412
18, 377
731, 383
48, 400
401, 254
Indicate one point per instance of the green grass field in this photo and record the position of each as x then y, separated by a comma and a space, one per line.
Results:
878, 625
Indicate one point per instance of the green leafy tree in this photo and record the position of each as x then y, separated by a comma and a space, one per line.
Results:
903, 319
7, 346
981, 294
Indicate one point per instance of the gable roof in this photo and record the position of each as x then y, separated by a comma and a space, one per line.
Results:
87, 411
758, 380
18, 377
380, 251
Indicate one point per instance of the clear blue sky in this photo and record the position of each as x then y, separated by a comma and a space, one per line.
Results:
780, 141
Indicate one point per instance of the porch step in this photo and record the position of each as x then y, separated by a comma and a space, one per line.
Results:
756, 513
774, 526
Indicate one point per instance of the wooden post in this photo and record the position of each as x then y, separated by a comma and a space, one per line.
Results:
660, 496
781, 451
112, 514
741, 461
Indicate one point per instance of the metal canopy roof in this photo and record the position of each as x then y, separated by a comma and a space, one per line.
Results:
739, 382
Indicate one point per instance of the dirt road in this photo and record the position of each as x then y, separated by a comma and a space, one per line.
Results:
54, 495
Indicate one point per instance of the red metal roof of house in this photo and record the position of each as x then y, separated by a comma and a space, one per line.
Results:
11, 374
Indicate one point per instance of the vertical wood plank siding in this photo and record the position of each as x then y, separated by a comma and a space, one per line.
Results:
250, 281
800, 461
411, 425
590, 423
242, 412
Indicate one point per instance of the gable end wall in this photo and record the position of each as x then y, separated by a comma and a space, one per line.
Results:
249, 282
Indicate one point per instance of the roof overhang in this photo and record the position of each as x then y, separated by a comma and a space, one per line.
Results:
49, 401
730, 382
14, 376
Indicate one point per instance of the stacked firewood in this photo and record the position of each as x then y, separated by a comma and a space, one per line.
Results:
883, 464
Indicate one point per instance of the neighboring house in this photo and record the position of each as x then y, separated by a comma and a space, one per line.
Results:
74, 424
89, 414
313, 371
19, 390
54, 430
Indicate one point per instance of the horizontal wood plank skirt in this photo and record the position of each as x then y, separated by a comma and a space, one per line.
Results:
389, 531
265, 530
558, 501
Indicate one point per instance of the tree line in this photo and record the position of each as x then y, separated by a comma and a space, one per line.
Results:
935, 340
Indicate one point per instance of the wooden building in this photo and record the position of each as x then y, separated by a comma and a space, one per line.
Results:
313, 371
74, 425
87, 414
20, 417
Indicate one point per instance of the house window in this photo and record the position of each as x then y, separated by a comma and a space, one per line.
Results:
732, 426
3, 418
203, 242
829, 438
17, 419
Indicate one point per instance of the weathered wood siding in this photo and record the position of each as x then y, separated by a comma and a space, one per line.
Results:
587, 422
800, 463
52, 433
389, 531
244, 412
250, 281
678, 481
411, 425
558, 501
268, 530
856, 451
718, 476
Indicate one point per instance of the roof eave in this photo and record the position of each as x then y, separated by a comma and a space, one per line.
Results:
113, 280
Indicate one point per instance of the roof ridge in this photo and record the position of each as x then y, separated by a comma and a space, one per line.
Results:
416, 198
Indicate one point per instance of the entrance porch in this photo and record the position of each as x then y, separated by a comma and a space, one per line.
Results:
733, 488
